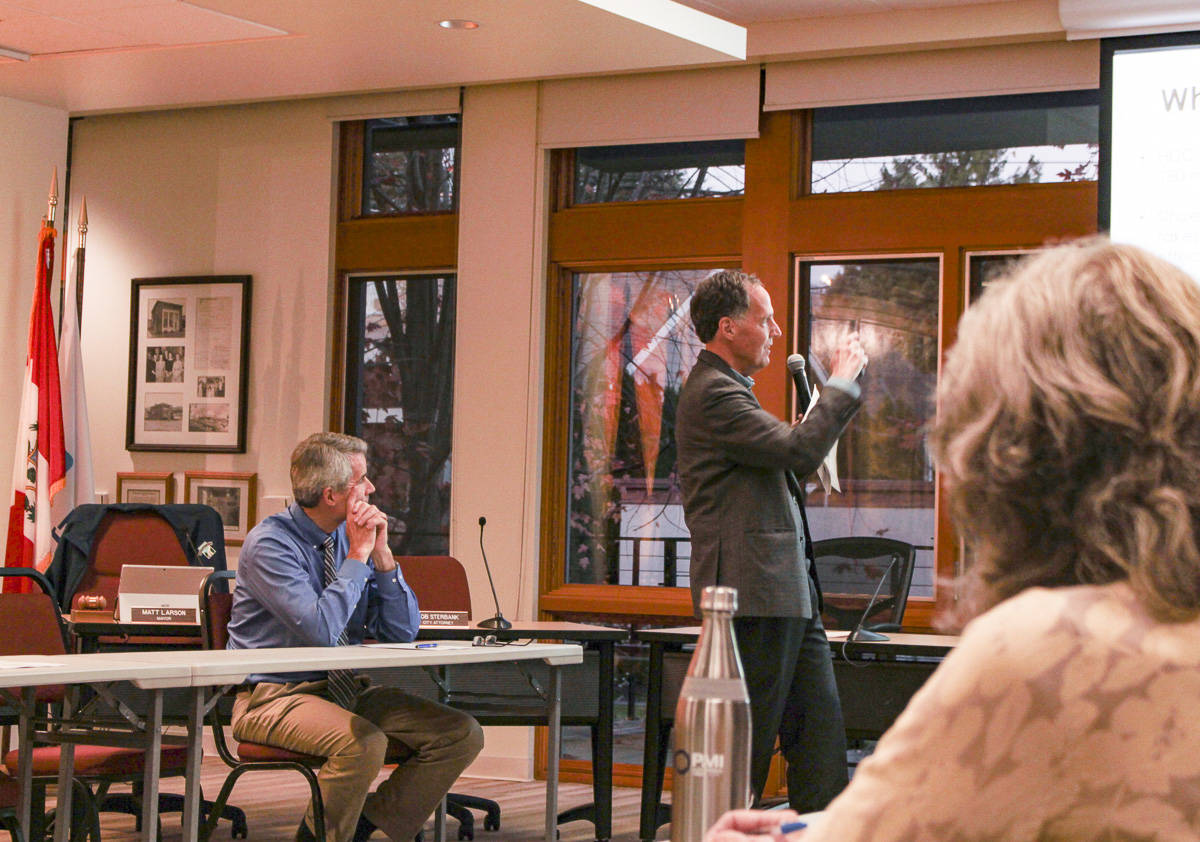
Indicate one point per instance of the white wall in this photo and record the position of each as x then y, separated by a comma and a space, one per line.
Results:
498, 369
244, 190
33, 141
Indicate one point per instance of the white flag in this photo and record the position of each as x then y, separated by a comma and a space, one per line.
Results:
80, 482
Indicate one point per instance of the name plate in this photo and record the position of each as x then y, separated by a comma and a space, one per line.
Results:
445, 618
159, 608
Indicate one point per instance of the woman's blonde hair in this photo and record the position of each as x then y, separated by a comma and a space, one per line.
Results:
1068, 429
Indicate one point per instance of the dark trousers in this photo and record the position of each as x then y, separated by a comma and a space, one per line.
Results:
789, 673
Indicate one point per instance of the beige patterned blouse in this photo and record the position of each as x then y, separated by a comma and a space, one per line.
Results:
1063, 714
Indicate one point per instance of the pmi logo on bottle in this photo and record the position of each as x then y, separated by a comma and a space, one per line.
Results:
698, 763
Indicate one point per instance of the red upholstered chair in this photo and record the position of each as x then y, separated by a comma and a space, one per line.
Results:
215, 610
439, 581
142, 537
440, 584
127, 538
10, 798
34, 626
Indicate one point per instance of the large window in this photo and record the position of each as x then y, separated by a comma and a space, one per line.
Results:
632, 344
894, 264
399, 397
395, 255
898, 265
886, 474
1027, 139
643, 172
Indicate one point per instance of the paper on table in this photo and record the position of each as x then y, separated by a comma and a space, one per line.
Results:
440, 644
28, 665
827, 472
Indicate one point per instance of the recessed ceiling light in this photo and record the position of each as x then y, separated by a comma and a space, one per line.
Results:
458, 23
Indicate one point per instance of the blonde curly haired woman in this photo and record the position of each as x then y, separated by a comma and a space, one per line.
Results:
1068, 441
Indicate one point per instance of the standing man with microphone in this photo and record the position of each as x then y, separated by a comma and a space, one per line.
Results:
741, 470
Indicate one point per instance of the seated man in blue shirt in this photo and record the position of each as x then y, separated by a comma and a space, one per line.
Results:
320, 573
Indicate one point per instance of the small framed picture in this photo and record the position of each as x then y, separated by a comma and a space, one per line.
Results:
142, 487
231, 494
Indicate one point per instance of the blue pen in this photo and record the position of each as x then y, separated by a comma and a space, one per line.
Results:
426, 645
791, 827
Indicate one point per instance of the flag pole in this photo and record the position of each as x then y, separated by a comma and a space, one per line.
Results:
80, 251
52, 200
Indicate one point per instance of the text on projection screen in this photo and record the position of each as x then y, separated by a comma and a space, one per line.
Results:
1155, 198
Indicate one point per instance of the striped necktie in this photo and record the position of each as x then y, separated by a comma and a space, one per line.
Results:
342, 686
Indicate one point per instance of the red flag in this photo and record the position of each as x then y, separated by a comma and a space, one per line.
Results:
39, 466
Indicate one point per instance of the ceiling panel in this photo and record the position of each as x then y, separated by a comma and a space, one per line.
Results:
350, 46
69, 8
763, 11
40, 35
93, 56
167, 23
74, 26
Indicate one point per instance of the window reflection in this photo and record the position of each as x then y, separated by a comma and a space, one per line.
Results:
648, 171
970, 142
399, 398
886, 472
985, 267
410, 165
632, 345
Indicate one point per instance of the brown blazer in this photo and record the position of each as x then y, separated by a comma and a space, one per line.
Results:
737, 466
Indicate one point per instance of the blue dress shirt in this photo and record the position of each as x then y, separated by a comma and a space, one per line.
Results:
280, 600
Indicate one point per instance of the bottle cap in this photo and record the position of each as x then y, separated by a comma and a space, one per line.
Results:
719, 598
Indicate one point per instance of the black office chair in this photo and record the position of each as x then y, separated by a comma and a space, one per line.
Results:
865, 581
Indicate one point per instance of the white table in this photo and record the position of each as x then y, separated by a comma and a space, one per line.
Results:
30, 671
214, 668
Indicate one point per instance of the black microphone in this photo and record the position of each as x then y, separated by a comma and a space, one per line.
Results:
497, 622
859, 633
795, 364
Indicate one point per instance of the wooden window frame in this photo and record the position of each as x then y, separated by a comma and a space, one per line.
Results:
408, 244
763, 231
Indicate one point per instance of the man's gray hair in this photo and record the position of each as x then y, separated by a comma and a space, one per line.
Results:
323, 461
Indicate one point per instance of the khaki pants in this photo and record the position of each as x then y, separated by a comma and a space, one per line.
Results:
297, 717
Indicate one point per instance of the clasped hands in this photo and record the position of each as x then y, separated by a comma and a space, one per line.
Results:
366, 532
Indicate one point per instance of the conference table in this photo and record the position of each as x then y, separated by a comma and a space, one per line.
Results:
201, 670
875, 681
589, 700
28, 672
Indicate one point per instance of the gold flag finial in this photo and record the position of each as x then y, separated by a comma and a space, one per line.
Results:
83, 222
53, 198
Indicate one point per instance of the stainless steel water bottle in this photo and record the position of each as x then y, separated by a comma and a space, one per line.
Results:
712, 726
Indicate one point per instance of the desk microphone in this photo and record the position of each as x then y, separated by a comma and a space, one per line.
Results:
859, 633
497, 622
